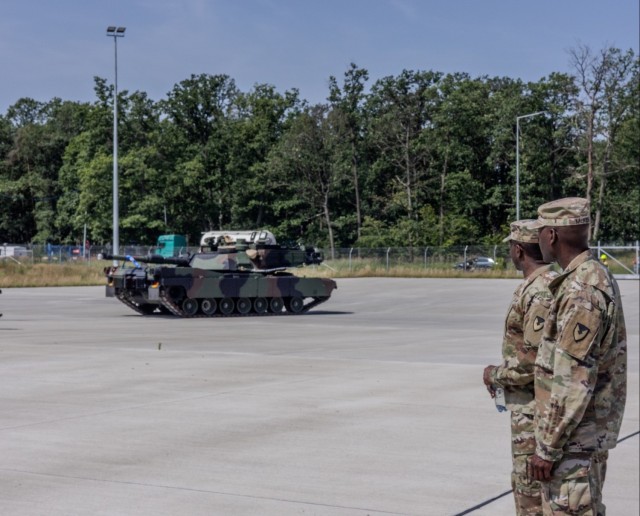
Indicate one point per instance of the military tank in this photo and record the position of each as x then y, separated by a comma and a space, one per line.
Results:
229, 277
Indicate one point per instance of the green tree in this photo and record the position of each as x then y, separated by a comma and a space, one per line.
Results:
617, 215
264, 116
399, 108
306, 158
347, 104
606, 80
458, 138
203, 110
39, 134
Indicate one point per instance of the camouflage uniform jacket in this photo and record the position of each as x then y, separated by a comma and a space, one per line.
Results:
581, 368
522, 334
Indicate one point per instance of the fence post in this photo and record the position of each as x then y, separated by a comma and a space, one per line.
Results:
464, 263
350, 251
494, 252
388, 249
426, 250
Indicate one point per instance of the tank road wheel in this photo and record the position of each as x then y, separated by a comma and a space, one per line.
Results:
276, 304
243, 305
294, 304
208, 306
226, 305
260, 305
190, 307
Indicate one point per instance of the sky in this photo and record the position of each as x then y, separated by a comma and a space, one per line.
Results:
54, 48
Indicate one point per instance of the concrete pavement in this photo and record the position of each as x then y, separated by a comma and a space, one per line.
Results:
371, 404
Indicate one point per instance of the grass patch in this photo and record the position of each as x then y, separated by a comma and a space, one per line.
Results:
70, 274
377, 270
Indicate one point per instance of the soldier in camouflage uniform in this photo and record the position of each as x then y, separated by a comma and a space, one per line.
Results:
522, 333
581, 367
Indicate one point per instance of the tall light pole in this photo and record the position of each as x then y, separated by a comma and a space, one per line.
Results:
115, 33
518, 118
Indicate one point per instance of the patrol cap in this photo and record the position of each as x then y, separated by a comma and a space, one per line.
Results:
570, 211
525, 231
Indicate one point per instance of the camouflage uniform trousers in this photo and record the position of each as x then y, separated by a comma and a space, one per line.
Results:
576, 486
523, 445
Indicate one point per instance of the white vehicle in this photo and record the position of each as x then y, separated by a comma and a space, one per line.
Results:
230, 237
7, 250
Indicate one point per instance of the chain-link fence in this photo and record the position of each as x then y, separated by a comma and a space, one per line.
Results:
622, 260
469, 257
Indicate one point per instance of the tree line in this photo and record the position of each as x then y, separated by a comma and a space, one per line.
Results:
418, 159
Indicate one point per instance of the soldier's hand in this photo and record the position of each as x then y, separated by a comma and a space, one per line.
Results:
539, 469
486, 378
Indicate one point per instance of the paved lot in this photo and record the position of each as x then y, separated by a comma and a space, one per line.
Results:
371, 404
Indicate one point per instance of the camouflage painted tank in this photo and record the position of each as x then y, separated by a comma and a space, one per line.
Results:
225, 280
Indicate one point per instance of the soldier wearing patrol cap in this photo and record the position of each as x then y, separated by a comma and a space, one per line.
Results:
522, 334
581, 367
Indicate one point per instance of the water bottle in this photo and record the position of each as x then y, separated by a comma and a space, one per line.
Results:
501, 404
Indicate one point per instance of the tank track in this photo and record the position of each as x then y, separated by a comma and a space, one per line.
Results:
170, 305
127, 300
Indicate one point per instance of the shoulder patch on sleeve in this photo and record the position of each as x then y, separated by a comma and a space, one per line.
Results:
579, 333
534, 322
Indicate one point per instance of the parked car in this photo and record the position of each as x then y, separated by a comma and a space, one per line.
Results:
464, 265
484, 262
479, 262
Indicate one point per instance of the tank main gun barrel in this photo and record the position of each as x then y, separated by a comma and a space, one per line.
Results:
151, 258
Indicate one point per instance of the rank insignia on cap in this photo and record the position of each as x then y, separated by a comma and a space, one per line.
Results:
538, 323
580, 332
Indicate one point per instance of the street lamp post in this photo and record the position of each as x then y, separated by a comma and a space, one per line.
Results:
518, 118
115, 33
